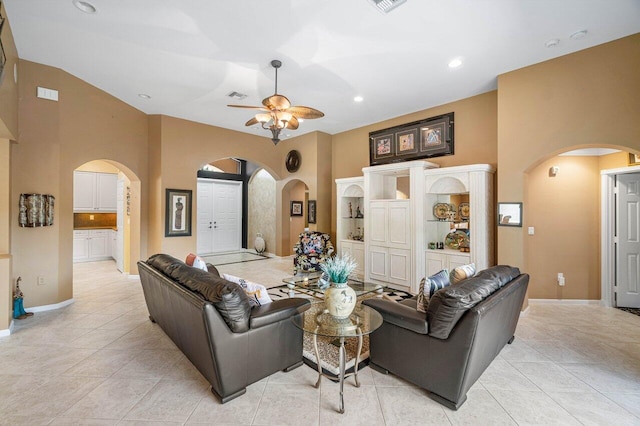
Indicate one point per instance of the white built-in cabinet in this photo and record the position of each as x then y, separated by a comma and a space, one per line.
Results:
94, 191
92, 245
350, 220
399, 200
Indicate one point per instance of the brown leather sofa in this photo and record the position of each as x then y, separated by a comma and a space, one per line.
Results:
211, 321
447, 349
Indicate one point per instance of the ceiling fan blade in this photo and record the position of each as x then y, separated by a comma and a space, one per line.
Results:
305, 112
276, 102
293, 123
248, 107
251, 122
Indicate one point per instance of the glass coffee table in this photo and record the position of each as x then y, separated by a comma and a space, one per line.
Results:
309, 283
317, 321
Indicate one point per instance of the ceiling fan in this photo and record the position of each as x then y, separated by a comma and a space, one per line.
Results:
278, 113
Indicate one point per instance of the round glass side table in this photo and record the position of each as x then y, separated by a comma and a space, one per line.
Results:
317, 322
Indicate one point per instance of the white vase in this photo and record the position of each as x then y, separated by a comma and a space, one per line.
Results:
259, 244
340, 299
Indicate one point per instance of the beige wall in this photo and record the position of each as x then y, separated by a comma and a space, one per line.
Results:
589, 98
475, 138
564, 211
227, 165
262, 210
8, 85
56, 138
179, 148
614, 161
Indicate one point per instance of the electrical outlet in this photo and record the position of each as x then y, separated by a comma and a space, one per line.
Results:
40, 280
91, 217
531, 230
561, 281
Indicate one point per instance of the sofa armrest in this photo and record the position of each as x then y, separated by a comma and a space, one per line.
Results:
400, 315
277, 311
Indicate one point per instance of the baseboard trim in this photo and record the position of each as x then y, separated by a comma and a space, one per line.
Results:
7, 332
525, 312
133, 277
50, 307
564, 302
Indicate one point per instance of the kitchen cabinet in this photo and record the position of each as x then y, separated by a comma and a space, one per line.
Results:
91, 245
94, 191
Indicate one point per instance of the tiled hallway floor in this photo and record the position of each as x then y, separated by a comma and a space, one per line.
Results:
100, 361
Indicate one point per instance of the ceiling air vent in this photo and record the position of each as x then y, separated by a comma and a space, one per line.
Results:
386, 6
236, 95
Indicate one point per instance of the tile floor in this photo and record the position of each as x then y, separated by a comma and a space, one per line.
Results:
100, 361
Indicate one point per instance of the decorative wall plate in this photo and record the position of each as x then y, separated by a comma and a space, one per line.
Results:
463, 211
442, 210
456, 239
293, 161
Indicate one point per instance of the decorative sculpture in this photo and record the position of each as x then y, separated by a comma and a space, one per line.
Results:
18, 303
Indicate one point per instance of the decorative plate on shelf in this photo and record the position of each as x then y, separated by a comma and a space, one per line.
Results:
456, 239
463, 211
441, 210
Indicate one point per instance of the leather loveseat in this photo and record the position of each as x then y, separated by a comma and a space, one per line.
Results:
211, 321
447, 349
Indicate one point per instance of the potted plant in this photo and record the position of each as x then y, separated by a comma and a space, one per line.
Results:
339, 298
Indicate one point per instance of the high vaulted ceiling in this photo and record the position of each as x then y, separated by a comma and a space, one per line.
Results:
189, 54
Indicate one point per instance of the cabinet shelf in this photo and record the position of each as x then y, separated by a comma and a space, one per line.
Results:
447, 221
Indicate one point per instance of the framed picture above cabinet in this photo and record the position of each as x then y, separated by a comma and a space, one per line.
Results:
432, 137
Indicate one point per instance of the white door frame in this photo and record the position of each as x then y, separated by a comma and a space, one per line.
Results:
607, 226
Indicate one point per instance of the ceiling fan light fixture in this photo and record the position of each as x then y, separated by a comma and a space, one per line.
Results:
263, 118
279, 113
284, 116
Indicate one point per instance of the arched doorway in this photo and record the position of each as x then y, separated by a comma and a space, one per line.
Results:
562, 206
293, 221
106, 210
256, 203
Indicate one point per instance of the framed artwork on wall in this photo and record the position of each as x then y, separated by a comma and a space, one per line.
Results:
432, 137
178, 213
311, 211
510, 214
296, 208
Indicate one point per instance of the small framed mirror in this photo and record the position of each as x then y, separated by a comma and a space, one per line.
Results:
510, 214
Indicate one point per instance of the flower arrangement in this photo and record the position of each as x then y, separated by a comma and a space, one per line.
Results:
338, 268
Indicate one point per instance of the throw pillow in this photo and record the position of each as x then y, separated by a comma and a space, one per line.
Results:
196, 262
257, 293
462, 273
428, 286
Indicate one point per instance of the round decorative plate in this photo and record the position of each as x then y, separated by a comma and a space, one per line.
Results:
441, 210
293, 161
456, 239
463, 211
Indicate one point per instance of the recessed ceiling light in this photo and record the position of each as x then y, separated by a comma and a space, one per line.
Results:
578, 35
358, 99
300, 120
144, 96
455, 63
84, 6
552, 43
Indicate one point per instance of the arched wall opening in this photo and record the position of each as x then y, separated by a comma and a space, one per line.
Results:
127, 217
561, 221
292, 224
257, 213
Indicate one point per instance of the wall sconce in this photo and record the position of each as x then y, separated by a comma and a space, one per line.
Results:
553, 171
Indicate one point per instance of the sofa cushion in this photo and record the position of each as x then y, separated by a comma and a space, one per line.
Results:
257, 293
228, 298
449, 304
428, 287
462, 273
196, 261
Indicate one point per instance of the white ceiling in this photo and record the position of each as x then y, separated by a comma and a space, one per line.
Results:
188, 54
